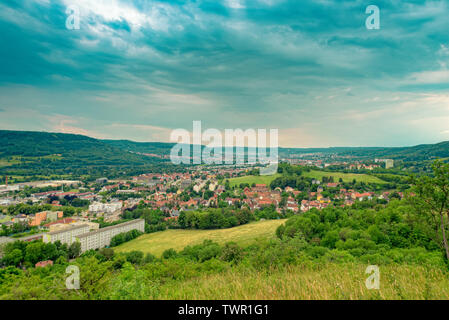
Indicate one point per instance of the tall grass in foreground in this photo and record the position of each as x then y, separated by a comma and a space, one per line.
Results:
332, 281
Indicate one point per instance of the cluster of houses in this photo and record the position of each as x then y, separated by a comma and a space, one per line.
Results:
175, 192
34, 220
260, 196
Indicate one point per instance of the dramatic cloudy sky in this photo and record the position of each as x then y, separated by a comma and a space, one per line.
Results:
138, 69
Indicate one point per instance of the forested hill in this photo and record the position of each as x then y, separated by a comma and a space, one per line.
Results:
415, 153
41, 144
159, 148
43, 153
54, 150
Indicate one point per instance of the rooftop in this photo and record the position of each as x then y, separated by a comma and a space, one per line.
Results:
68, 229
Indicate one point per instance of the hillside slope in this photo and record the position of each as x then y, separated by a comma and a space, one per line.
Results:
159, 148
178, 239
46, 153
414, 153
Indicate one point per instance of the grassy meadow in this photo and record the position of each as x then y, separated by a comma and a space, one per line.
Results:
347, 177
156, 243
315, 174
4, 162
253, 179
314, 282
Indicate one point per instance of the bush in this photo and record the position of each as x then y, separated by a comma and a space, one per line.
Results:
125, 237
169, 254
202, 252
134, 257
317, 252
338, 256
149, 258
232, 252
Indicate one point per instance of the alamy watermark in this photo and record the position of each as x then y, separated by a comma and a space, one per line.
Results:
238, 145
373, 281
373, 20
72, 282
73, 19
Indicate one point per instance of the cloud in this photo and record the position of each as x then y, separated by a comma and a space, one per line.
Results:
309, 69
143, 133
431, 77
235, 4
64, 124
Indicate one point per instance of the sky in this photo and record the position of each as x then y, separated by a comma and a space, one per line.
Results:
311, 69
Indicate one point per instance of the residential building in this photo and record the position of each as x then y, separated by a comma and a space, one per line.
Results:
102, 237
20, 218
66, 235
185, 183
43, 264
38, 218
101, 180
6, 202
389, 163
98, 207
33, 237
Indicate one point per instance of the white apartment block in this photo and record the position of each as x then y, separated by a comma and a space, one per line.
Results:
97, 207
102, 237
67, 236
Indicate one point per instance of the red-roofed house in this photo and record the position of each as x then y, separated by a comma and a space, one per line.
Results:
43, 264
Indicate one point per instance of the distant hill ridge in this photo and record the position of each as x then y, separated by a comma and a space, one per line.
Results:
38, 144
43, 153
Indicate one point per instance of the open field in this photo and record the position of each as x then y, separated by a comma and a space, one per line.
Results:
253, 179
18, 159
347, 177
316, 282
6, 162
158, 242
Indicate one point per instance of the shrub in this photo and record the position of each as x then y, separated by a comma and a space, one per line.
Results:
202, 252
134, 257
231, 252
125, 237
149, 258
169, 254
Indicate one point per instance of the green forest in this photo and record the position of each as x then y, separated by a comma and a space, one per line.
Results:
44, 155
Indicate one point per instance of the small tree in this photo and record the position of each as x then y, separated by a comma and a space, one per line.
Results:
431, 197
74, 250
13, 258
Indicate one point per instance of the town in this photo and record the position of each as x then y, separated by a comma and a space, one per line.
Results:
92, 213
